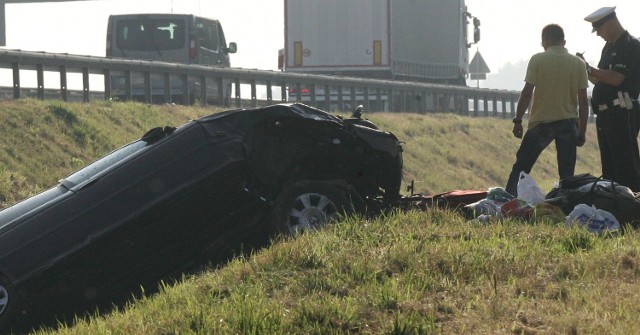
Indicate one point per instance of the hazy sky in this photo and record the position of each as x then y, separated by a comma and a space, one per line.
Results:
510, 29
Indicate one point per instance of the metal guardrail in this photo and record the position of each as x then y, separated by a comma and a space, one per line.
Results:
327, 92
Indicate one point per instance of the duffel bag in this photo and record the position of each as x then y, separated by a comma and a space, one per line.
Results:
601, 193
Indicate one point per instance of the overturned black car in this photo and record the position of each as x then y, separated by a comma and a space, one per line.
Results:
179, 195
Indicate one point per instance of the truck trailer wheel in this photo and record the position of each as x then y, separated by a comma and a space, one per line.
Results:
308, 206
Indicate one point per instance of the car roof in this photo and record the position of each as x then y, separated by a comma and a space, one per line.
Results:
288, 109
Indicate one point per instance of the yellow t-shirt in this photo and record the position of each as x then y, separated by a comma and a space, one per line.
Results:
557, 77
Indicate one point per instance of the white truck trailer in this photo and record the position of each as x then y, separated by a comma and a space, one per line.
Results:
414, 40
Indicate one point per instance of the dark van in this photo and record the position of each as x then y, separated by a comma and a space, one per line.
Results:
173, 38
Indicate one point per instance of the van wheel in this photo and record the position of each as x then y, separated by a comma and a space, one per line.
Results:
308, 206
12, 306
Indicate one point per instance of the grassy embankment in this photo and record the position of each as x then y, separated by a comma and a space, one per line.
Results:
406, 273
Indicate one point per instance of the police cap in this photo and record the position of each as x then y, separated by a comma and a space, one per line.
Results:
600, 16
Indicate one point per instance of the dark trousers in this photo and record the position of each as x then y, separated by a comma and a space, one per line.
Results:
564, 133
618, 141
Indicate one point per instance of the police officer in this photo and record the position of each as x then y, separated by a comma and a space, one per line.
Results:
615, 99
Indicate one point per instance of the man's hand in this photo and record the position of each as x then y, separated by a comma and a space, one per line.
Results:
581, 140
517, 130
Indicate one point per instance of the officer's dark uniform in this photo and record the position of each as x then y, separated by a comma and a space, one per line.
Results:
618, 113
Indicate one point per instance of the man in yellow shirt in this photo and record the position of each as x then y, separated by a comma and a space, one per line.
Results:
557, 83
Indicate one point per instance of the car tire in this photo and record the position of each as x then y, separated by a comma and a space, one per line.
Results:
12, 307
308, 206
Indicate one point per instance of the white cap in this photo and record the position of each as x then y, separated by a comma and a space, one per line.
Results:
600, 16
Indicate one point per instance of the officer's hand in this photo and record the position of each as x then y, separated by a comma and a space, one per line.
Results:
581, 56
581, 140
517, 130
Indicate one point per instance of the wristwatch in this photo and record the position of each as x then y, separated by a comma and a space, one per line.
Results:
517, 120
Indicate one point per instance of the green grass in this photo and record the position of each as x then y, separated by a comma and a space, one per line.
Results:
41, 142
406, 273
403, 273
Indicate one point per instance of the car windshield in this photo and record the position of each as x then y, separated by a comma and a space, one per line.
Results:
104, 163
151, 34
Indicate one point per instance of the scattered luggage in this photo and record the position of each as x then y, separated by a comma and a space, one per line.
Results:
594, 203
601, 193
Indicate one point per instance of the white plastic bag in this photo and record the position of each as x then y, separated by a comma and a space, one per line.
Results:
595, 220
485, 206
528, 189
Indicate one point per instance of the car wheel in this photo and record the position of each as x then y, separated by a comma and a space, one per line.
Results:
308, 205
11, 306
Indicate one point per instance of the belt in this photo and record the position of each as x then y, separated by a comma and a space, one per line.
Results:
616, 102
620, 102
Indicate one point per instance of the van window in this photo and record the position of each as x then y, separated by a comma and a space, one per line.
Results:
208, 36
150, 34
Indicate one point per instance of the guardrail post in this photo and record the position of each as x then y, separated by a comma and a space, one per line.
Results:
85, 85
378, 106
476, 105
297, 93
222, 92
254, 94
166, 77
283, 91
63, 83
486, 106
353, 98
238, 93
16, 80
269, 91
107, 84
147, 87
365, 94
413, 101
312, 92
40, 75
203, 91
127, 85
459, 99
494, 103
327, 97
186, 90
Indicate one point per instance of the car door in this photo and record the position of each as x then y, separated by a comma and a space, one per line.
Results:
183, 198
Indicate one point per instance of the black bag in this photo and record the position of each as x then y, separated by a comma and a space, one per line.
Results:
602, 194
578, 180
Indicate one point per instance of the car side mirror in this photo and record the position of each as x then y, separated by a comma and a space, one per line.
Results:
476, 30
233, 47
